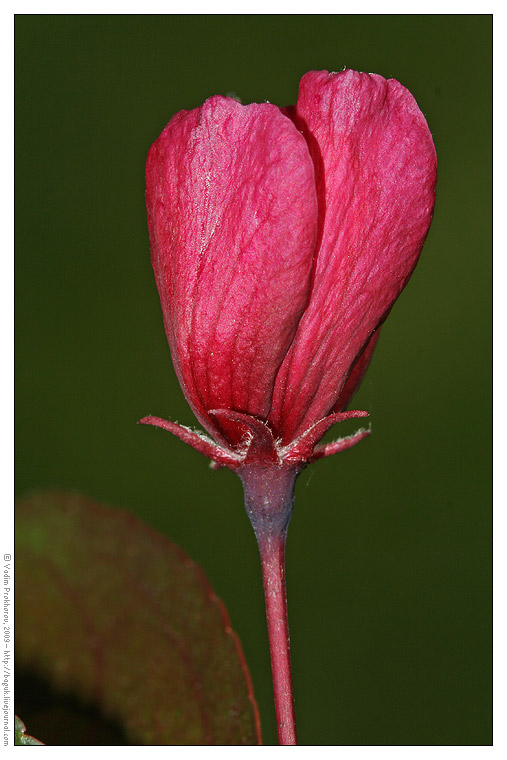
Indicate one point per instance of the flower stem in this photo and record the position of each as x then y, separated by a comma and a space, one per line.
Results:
269, 499
273, 574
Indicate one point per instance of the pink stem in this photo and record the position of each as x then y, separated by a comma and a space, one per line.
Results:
269, 499
273, 573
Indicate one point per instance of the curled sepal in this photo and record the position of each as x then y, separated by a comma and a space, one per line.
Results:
257, 440
199, 441
303, 448
327, 449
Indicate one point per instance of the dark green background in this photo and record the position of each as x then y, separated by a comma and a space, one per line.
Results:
389, 548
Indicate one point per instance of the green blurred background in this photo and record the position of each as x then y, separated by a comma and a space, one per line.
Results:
389, 552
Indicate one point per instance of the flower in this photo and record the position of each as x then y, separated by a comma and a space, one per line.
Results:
280, 239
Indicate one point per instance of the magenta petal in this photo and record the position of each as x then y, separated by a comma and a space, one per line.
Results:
375, 173
357, 373
232, 213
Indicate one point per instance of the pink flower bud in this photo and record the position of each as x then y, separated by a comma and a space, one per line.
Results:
280, 240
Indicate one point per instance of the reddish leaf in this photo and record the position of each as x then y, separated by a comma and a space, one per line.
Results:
111, 610
20, 735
